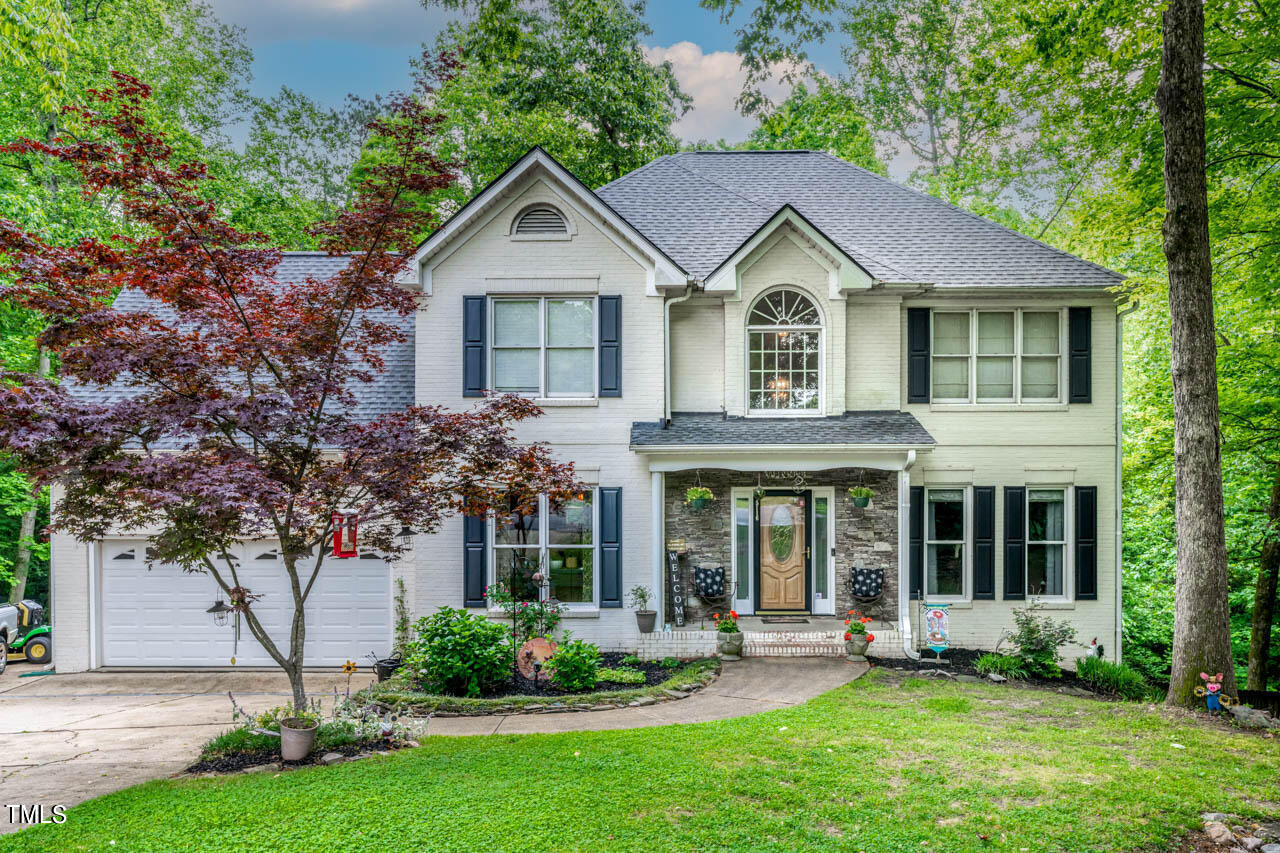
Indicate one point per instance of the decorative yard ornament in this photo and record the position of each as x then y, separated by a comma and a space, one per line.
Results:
344, 534
533, 656
1211, 690
937, 628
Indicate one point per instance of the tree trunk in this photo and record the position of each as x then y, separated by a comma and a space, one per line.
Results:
1201, 631
27, 528
1264, 597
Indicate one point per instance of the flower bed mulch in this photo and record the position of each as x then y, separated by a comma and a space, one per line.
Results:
654, 674
239, 761
961, 662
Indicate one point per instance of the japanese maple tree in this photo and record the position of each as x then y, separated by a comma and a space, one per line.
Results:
238, 418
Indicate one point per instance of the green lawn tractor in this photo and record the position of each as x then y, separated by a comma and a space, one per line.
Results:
24, 634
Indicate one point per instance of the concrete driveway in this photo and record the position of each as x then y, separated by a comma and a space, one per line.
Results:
67, 738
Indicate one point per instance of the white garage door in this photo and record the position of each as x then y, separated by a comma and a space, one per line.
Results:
156, 616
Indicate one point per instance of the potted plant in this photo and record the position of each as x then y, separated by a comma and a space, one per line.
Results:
856, 638
728, 636
645, 617
697, 496
298, 735
861, 495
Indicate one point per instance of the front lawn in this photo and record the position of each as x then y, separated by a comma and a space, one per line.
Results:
885, 764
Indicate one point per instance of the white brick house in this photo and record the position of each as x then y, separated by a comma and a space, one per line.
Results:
777, 326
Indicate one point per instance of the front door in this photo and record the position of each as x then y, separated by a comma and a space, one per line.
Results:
782, 551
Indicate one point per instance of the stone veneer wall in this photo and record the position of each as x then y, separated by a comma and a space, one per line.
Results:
863, 536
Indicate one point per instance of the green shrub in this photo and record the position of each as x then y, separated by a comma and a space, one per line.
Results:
458, 653
632, 660
1040, 640
1114, 678
670, 663
575, 666
622, 676
1009, 666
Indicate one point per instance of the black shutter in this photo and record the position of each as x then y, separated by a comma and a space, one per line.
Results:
916, 542
473, 328
984, 542
473, 560
610, 346
1015, 543
1087, 543
917, 355
611, 547
1080, 362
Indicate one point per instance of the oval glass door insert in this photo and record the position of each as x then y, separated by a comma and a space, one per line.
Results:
782, 533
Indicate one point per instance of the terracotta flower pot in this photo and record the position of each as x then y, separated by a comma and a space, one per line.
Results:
296, 743
645, 620
729, 645
855, 649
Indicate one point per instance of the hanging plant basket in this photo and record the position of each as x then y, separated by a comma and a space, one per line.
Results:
861, 496
697, 497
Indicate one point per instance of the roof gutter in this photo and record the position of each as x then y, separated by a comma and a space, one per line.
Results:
1119, 592
904, 557
666, 344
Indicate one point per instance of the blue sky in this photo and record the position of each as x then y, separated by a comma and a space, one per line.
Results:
327, 48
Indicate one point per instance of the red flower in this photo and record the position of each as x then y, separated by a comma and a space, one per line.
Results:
715, 615
846, 621
733, 614
871, 638
850, 613
848, 636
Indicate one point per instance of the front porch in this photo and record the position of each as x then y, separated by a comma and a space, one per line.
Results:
816, 636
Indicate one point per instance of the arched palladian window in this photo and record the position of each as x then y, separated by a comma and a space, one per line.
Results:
784, 344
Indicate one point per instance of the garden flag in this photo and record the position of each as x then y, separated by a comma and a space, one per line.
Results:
937, 628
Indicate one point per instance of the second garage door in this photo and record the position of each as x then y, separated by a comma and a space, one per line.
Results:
156, 616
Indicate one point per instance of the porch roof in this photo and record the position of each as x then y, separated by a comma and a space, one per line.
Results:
870, 429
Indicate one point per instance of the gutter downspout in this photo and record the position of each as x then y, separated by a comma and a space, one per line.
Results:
666, 360
904, 557
1119, 593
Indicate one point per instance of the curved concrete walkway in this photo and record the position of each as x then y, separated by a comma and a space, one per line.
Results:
748, 686
68, 738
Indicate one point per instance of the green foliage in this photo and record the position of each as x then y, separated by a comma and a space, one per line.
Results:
1009, 666
622, 676
670, 663
528, 619
1116, 679
458, 653
639, 597
404, 622
632, 660
953, 788
861, 492
1040, 640
694, 493
575, 666
827, 119
727, 623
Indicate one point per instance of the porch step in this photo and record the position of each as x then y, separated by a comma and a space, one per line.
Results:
792, 644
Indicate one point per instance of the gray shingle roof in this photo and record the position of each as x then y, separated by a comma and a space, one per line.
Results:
865, 427
390, 391
699, 207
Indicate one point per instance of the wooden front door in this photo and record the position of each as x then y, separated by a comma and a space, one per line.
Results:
782, 551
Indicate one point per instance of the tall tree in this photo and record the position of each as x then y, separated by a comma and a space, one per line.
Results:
827, 119
570, 75
240, 419
1201, 634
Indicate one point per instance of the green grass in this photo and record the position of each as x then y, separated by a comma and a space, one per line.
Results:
395, 694
879, 765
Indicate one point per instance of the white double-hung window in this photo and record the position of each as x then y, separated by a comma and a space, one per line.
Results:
1047, 543
1008, 356
946, 537
544, 346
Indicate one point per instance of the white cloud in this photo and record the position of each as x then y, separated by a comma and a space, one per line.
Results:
385, 22
714, 81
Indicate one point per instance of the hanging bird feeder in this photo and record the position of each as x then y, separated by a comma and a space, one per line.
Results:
344, 534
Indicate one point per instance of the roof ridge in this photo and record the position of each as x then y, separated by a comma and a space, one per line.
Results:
635, 171
972, 215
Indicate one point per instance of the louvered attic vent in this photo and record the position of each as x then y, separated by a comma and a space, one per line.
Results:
541, 220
